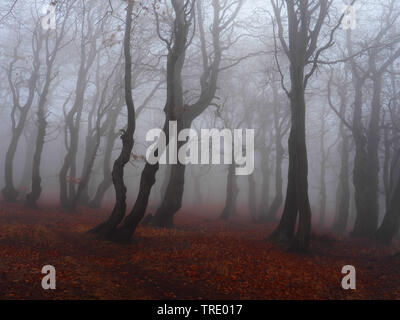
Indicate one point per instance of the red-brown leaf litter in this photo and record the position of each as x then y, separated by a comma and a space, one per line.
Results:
202, 258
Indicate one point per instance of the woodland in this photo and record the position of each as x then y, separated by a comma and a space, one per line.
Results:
84, 83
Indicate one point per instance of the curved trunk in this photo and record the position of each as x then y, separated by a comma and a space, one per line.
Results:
297, 200
89, 163
130, 223
105, 229
67, 183
9, 192
285, 230
198, 194
343, 190
34, 195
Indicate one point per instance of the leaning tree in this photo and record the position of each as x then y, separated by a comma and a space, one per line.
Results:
300, 33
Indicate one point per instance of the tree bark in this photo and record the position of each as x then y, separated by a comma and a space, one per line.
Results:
34, 195
391, 222
172, 200
278, 198
366, 168
252, 199
106, 183
231, 194
9, 192
265, 187
105, 229
297, 201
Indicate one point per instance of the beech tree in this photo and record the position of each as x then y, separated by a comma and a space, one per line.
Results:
89, 35
50, 59
106, 228
20, 109
305, 20
222, 21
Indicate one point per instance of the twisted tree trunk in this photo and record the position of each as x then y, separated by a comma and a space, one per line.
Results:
106, 229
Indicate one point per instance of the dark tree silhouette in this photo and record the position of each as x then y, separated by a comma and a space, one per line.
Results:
304, 24
105, 229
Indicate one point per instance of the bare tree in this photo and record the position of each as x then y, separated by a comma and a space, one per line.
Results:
342, 209
176, 45
88, 49
304, 24
20, 111
51, 54
105, 229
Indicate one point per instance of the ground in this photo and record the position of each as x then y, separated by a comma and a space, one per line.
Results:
203, 258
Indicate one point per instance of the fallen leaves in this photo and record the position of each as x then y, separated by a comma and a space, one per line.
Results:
201, 258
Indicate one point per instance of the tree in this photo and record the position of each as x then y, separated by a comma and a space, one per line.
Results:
367, 137
280, 129
20, 111
36, 188
304, 25
177, 45
222, 21
105, 229
88, 49
343, 187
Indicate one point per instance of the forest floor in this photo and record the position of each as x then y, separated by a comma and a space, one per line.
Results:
202, 258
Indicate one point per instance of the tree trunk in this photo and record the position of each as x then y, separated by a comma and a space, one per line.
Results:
166, 178
124, 233
322, 177
198, 194
231, 194
265, 187
172, 200
343, 188
34, 195
87, 171
297, 200
105, 229
26, 180
367, 166
322, 197
278, 199
67, 183
9, 192
36, 190
173, 108
106, 183
252, 202
391, 222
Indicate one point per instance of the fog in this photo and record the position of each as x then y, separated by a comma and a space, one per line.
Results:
210, 64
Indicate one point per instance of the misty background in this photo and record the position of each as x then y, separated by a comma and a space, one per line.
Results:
249, 95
